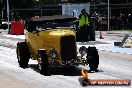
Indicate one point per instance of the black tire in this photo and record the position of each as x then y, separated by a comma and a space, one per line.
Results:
94, 64
92, 58
23, 54
44, 65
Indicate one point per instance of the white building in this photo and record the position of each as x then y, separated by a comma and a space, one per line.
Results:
74, 9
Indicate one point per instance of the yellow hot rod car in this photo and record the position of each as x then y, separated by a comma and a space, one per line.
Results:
51, 40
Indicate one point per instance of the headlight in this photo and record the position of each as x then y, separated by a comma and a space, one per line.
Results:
83, 50
53, 53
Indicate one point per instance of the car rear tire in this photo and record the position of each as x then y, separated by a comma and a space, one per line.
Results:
23, 54
43, 62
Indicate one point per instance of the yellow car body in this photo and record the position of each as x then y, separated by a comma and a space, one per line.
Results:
50, 39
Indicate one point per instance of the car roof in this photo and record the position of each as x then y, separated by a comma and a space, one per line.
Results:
54, 18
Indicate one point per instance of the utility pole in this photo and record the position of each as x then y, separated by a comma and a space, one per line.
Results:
108, 15
2, 9
94, 28
8, 15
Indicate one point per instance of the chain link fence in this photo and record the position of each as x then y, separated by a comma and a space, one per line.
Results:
120, 15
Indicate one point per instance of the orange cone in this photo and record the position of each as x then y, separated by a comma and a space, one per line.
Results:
101, 35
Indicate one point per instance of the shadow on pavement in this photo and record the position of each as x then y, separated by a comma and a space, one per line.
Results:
66, 71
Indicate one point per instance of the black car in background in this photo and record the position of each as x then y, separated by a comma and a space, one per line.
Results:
4, 24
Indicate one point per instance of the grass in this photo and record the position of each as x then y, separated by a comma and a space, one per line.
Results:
127, 30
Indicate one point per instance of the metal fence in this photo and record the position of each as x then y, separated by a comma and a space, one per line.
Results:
120, 16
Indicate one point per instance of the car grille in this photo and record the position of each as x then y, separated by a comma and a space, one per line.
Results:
68, 48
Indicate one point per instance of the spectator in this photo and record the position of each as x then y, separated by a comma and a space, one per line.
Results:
84, 23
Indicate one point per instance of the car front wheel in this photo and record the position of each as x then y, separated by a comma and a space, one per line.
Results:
43, 62
23, 54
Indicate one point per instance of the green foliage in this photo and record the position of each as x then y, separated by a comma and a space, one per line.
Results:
128, 29
23, 3
49, 2
32, 3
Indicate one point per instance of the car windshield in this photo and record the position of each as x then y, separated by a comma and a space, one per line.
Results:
51, 22
54, 25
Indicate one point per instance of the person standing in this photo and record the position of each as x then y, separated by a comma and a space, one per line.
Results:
83, 25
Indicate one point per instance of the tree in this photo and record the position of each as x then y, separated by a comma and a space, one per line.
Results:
49, 2
22, 3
